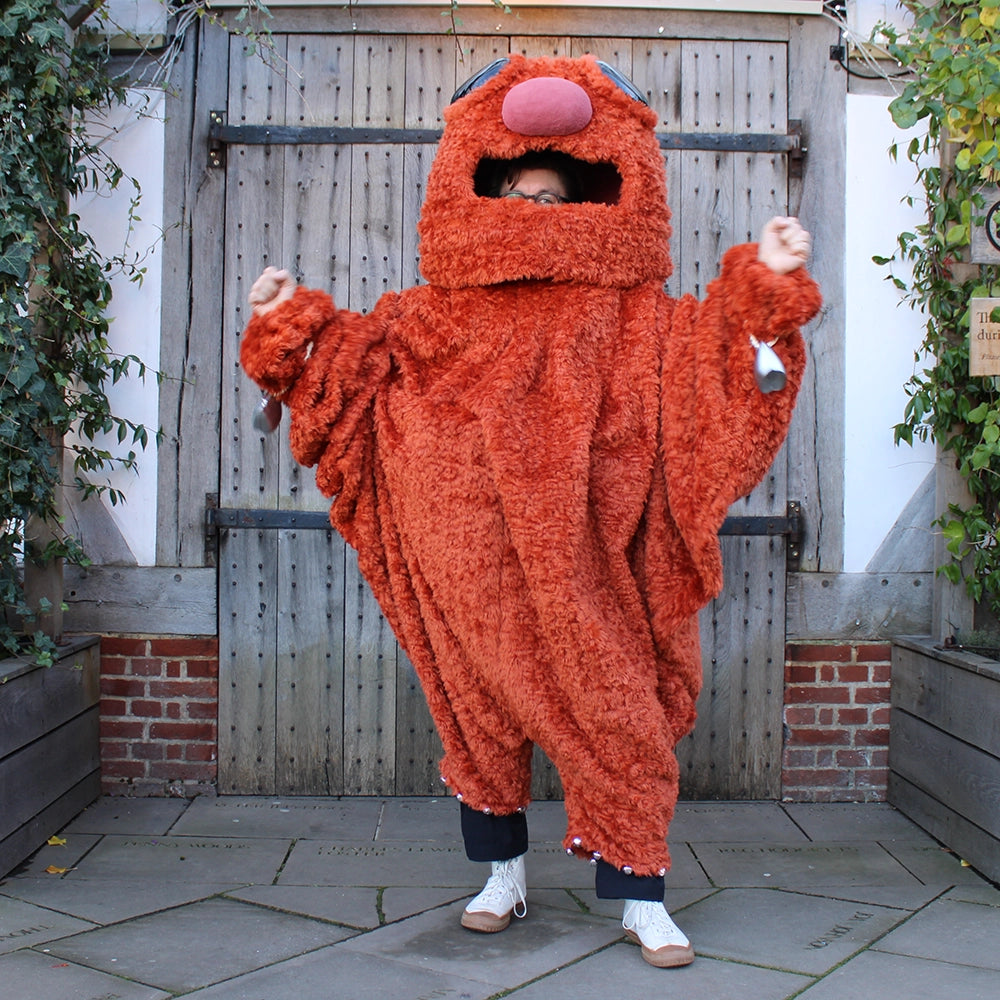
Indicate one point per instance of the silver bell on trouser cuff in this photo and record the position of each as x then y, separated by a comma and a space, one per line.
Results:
267, 416
768, 370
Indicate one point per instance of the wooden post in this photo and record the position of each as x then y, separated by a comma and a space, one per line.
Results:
44, 580
953, 609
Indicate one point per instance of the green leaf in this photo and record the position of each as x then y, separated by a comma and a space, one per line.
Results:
904, 113
15, 260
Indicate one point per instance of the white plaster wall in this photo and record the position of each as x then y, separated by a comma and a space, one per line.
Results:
135, 309
882, 334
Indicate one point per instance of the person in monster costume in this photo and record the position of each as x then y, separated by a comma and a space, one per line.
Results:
533, 453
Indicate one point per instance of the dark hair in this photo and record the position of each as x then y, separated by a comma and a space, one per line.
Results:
545, 159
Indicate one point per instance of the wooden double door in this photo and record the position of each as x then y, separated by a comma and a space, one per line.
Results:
315, 695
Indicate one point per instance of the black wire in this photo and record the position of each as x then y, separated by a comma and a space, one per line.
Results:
875, 76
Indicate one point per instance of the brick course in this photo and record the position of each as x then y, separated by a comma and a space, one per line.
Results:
159, 718
836, 722
159, 711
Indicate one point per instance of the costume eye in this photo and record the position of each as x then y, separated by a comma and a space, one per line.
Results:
621, 81
478, 79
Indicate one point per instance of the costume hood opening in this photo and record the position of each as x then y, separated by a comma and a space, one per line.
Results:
615, 232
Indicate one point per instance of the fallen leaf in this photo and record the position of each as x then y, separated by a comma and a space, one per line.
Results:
56, 870
55, 841
965, 864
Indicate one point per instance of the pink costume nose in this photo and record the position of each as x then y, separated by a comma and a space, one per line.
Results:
546, 105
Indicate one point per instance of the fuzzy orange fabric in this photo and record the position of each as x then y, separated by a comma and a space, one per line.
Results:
533, 454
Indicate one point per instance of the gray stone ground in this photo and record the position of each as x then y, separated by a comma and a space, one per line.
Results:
302, 899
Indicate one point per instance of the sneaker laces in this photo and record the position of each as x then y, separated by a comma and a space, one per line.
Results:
501, 888
653, 924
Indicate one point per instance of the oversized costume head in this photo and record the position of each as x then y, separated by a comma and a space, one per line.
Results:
616, 236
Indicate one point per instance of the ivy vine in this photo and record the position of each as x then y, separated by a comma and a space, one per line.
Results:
953, 52
56, 364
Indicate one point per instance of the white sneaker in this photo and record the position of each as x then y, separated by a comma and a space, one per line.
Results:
502, 895
648, 924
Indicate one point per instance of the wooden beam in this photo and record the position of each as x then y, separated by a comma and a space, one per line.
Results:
141, 600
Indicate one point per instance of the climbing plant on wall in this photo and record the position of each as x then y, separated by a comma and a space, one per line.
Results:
56, 364
952, 50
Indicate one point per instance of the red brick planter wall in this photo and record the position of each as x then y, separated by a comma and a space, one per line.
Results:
159, 715
159, 718
836, 722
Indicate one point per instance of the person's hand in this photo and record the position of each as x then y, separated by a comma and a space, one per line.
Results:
271, 289
784, 245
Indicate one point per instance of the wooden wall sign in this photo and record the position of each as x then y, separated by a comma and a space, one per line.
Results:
984, 337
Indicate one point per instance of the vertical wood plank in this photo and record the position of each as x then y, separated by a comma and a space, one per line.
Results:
430, 80
247, 652
417, 161
418, 748
760, 105
193, 251
250, 460
656, 71
816, 96
379, 80
369, 691
616, 51
309, 683
320, 80
473, 52
706, 177
535, 46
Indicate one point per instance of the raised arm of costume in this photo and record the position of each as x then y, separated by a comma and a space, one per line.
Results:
720, 432
325, 365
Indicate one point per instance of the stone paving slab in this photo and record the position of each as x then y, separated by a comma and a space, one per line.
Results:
23, 925
724, 822
546, 939
784, 930
438, 820
29, 975
225, 860
131, 817
899, 897
546, 822
66, 855
843, 821
801, 865
198, 944
984, 892
353, 907
109, 901
950, 931
400, 902
344, 975
620, 972
873, 974
586, 901
425, 820
317, 862
933, 864
292, 818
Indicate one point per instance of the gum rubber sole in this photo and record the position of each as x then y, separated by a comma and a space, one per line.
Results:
485, 922
670, 956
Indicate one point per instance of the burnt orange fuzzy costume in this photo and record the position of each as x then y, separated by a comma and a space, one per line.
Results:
533, 454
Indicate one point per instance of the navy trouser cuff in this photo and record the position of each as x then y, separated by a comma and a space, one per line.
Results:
493, 838
611, 883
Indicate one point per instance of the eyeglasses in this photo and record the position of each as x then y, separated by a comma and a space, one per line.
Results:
542, 198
